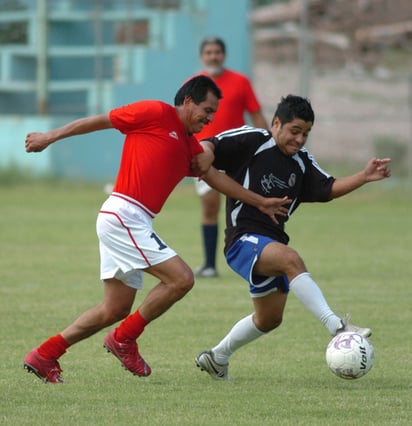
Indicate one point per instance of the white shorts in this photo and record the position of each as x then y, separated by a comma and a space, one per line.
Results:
202, 188
127, 241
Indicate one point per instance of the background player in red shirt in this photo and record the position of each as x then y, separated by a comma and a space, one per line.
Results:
158, 151
238, 99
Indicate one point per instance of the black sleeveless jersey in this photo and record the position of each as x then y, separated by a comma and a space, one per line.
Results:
251, 157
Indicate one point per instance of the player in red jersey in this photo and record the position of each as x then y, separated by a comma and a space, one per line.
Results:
159, 150
238, 99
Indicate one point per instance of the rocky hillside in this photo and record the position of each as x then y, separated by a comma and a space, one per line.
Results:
358, 74
341, 31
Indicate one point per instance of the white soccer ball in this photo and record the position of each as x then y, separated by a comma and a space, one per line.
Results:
350, 355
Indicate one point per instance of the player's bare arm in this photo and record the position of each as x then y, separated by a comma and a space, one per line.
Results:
376, 169
202, 162
38, 141
258, 120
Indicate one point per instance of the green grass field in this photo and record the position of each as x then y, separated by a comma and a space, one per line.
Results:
358, 249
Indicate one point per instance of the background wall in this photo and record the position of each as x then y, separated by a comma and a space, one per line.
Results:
67, 59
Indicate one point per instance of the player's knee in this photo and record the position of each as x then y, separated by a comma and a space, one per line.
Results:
276, 323
294, 262
115, 313
210, 215
122, 312
185, 283
267, 324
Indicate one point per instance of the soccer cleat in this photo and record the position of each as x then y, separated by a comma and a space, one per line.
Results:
206, 272
128, 355
45, 369
206, 362
346, 326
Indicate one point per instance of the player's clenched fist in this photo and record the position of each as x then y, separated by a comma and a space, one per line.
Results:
36, 142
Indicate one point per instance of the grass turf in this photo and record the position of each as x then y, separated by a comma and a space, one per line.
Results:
357, 249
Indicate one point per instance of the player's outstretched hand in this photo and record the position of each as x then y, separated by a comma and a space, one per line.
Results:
275, 207
36, 142
377, 169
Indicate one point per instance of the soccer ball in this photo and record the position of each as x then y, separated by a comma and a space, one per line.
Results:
350, 355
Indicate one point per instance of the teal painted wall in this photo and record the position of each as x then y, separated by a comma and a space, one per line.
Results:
129, 74
13, 134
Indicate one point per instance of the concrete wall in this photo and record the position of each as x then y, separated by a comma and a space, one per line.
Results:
13, 134
152, 71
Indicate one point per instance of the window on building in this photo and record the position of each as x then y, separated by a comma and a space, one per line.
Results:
135, 32
163, 4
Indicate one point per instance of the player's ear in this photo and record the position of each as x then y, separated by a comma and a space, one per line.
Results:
276, 123
187, 100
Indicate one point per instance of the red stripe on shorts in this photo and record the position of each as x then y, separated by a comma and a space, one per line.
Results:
129, 232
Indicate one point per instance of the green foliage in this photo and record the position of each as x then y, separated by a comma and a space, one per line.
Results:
357, 248
16, 175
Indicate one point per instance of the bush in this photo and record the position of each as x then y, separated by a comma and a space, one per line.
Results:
13, 175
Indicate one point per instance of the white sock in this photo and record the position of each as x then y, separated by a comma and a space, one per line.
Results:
242, 333
308, 292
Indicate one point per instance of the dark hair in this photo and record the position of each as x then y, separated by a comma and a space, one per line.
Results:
197, 88
293, 107
213, 40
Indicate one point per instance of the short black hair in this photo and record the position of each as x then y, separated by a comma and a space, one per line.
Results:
213, 40
197, 89
291, 107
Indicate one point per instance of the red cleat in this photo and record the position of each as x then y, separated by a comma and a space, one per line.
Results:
45, 369
128, 354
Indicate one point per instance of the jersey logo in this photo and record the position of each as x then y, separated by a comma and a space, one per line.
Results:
173, 135
292, 180
268, 182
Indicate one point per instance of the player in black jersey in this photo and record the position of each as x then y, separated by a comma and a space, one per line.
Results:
275, 165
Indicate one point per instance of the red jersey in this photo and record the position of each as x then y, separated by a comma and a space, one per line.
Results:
238, 97
157, 152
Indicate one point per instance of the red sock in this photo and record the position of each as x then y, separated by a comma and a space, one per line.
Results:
131, 327
54, 347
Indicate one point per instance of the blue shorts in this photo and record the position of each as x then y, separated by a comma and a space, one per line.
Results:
242, 256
